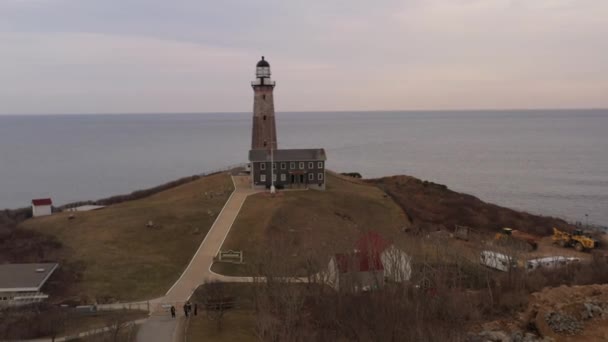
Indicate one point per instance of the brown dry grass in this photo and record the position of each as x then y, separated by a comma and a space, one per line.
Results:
122, 258
313, 222
239, 325
431, 206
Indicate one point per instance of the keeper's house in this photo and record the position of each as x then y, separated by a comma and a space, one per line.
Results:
21, 284
288, 169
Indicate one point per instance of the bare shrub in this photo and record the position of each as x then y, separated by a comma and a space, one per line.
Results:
119, 325
217, 300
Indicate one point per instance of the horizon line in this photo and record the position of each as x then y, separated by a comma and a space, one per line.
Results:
319, 111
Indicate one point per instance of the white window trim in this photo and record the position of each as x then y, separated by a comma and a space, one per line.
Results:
292, 165
262, 166
320, 165
274, 166
262, 178
301, 165
283, 177
320, 176
283, 166
311, 165
311, 176
274, 177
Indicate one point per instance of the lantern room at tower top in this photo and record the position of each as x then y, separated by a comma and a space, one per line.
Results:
262, 74
270, 167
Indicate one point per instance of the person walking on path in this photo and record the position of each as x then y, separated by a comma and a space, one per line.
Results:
172, 311
186, 310
189, 307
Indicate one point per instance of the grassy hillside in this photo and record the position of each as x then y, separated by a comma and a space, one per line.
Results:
298, 224
118, 257
431, 206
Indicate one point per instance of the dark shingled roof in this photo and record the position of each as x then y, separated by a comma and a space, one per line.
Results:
312, 154
24, 277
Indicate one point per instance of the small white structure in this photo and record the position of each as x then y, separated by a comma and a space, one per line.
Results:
497, 261
550, 263
20, 284
88, 207
41, 207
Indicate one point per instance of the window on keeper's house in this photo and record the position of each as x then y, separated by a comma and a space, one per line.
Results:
262, 178
283, 166
283, 177
292, 165
320, 176
320, 165
301, 165
262, 166
311, 165
311, 176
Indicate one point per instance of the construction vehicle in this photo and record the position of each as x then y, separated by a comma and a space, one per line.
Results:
516, 238
577, 239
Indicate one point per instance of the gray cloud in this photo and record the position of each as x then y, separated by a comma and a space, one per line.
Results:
75, 56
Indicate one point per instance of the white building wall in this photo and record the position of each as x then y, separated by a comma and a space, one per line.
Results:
41, 210
333, 274
397, 264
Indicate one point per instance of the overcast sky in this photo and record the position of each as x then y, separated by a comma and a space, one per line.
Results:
122, 56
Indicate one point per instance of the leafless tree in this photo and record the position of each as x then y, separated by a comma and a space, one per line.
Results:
216, 301
55, 322
118, 322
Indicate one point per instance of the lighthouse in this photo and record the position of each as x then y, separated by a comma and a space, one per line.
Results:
264, 132
270, 167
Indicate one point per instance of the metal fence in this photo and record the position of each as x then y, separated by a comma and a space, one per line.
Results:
143, 306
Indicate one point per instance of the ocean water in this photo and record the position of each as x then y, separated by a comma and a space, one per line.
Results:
546, 162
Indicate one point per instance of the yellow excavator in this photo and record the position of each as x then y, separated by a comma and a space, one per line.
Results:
577, 239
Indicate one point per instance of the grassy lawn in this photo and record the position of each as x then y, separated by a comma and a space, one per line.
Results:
26, 323
296, 224
83, 322
238, 325
122, 258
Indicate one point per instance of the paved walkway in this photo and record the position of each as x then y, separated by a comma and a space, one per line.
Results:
160, 326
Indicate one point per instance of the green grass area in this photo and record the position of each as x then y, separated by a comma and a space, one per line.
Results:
124, 259
295, 225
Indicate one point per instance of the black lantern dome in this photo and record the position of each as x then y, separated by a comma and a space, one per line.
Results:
262, 63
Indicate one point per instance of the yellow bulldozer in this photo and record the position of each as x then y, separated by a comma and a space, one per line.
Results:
577, 239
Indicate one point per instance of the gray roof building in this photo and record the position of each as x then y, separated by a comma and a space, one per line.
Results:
25, 277
310, 154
